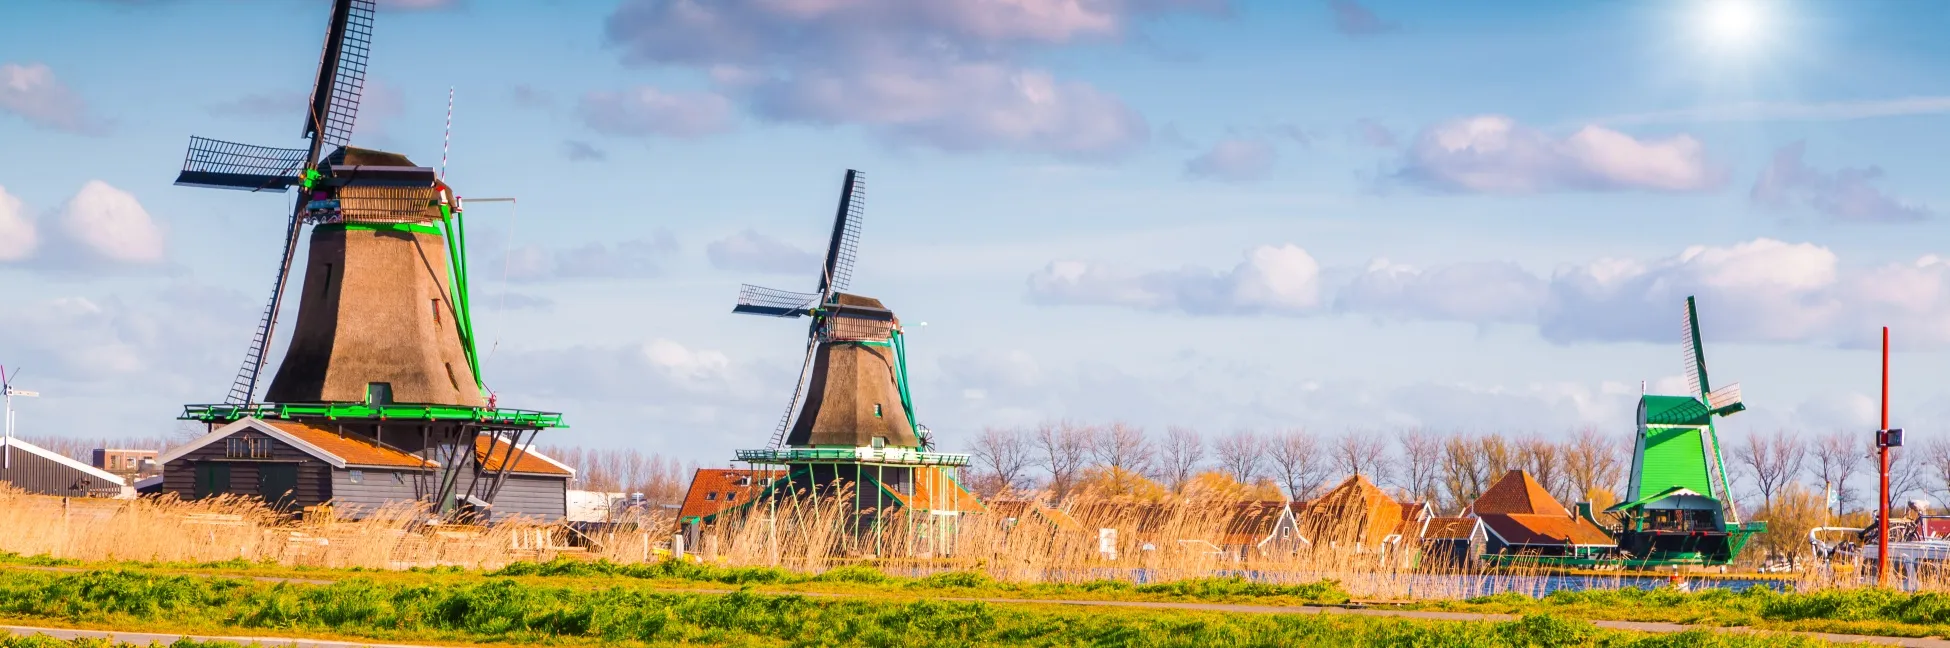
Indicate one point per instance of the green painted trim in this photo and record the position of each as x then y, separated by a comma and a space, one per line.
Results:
411, 228
399, 412
900, 382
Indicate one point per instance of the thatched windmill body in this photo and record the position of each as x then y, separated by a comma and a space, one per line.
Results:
849, 429
383, 345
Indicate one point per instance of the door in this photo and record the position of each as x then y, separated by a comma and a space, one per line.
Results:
212, 479
278, 483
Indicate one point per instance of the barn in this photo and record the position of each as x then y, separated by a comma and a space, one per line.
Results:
292, 465
40, 471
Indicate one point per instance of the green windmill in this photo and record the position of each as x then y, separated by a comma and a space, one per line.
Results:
1680, 508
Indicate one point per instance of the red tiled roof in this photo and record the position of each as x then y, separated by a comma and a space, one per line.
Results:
1252, 522
934, 488
1356, 510
1561, 530
1450, 528
1516, 492
491, 451
715, 489
1024, 509
354, 449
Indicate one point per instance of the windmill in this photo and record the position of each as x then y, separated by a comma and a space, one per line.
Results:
1679, 507
9, 391
850, 422
383, 344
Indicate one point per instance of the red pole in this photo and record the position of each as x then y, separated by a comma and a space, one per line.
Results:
1882, 529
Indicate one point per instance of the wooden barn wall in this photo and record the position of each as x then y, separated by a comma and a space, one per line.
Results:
314, 475
43, 476
530, 496
378, 487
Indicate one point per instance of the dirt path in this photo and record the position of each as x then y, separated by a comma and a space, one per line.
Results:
1230, 608
147, 638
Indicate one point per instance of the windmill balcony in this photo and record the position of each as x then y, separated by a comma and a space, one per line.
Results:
863, 454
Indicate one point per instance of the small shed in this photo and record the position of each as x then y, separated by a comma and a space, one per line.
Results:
536, 488
40, 471
1453, 542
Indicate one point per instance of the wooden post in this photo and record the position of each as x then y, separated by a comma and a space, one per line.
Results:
1882, 447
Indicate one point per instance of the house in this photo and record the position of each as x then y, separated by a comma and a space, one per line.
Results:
291, 465
1453, 542
715, 491
129, 464
1356, 513
1014, 513
1520, 518
1264, 528
40, 471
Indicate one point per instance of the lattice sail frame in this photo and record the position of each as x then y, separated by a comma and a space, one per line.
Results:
1716, 402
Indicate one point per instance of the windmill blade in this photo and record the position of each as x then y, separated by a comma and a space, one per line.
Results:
229, 165
243, 389
341, 75
1695, 356
798, 392
759, 300
844, 246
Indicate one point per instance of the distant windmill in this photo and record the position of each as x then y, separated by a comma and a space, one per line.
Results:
850, 423
7, 387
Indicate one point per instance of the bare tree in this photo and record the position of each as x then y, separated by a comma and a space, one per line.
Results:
1906, 475
1421, 462
1542, 459
1838, 456
1461, 471
1240, 455
1061, 450
1297, 459
1936, 456
1001, 459
1362, 453
1771, 461
1592, 463
1123, 450
1179, 456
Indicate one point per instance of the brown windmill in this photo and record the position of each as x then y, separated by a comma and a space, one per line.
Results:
383, 347
850, 424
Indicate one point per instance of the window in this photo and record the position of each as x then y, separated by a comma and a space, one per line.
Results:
379, 393
710, 497
399, 478
876, 410
246, 448
131, 462
731, 497
436, 314
325, 287
879, 442
744, 481
356, 476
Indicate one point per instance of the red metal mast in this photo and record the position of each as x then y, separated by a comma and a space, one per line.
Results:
1882, 446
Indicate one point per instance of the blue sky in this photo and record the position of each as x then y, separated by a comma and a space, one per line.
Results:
1331, 215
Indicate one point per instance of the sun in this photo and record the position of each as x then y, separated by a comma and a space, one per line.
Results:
1732, 24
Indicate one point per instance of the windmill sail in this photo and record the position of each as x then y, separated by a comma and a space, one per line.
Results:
844, 246
329, 118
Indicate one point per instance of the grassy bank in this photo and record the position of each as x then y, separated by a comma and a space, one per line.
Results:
508, 611
1851, 611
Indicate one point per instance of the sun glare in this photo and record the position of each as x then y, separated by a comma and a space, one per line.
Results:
1732, 24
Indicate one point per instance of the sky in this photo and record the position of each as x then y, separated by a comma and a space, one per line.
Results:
1226, 214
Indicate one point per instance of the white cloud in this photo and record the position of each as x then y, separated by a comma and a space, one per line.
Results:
941, 74
1845, 195
751, 251
1473, 292
644, 110
1234, 159
17, 235
1494, 154
32, 92
112, 224
1272, 279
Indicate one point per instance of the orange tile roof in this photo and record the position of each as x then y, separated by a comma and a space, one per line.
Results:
713, 490
354, 449
1516, 492
492, 451
933, 487
1024, 509
1449, 528
1545, 529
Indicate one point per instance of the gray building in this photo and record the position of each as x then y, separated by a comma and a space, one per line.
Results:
40, 471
